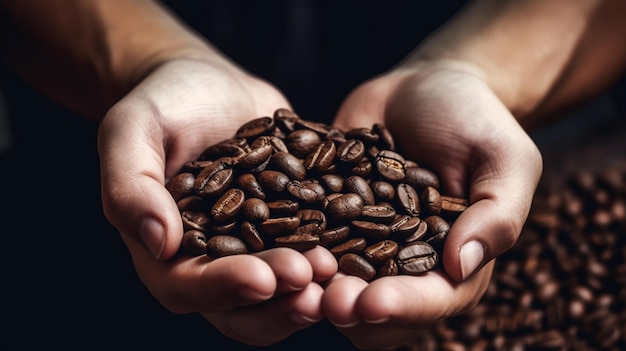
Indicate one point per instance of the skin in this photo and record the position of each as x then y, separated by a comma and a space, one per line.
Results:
460, 104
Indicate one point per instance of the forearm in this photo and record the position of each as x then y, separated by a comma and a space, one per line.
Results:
88, 53
539, 56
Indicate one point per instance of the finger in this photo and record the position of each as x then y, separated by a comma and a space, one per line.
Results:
389, 310
340, 298
272, 321
292, 270
193, 284
501, 193
323, 262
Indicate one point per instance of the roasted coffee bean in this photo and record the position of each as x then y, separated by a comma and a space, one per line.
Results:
451, 206
386, 141
298, 242
222, 149
417, 258
255, 157
363, 169
431, 201
283, 208
371, 230
322, 158
383, 191
302, 142
358, 185
381, 213
381, 251
405, 226
194, 167
194, 242
306, 192
390, 165
311, 221
438, 229
225, 245
355, 245
250, 186
224, 228
195, 220
356, 265
334, 236
279, 226
408, 199
192, 203
214, 179
288, 164
351, 151
388, 268
228, 205
255, 128
419, 178
345, 207
333, 183
366, 135
273, 181
251, 236
255, 210
285, 119
181, 185
321, 128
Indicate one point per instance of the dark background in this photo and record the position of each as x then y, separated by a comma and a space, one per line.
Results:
67, 277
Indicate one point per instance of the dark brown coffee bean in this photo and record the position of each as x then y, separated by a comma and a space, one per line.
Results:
250, 186
306, 192
273, 181
358, 185
371, 230
383, 191
225, 245
298, 242
419, 233
311, 221
417, 258
381, 251
228, 205
420, 178
355, 245
196, 220
431, 200
334, 236
356, 265
277, 143
251, 236
336, 135
322, 158
192, 203
181, 185
302, 142
255, 128
279, 226
256, 157
390, 165
194, 242
408, 199
219, 150
452, 207
388, 268
333, 183
404, 225
214, 179
283, 208
254, 209
288, 164
381, 213
285, 119
345, 207
366, 135
362, 169
351, 151
195, 166
320, 128
386, 140
224, 228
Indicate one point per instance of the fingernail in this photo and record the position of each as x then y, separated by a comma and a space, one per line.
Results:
347, 325
472, 255
253, 295
379, 321
152, 234
299, 318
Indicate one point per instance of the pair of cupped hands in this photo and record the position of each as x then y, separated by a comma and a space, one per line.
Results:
441, 116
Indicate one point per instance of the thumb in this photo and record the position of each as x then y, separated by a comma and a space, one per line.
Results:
134, 197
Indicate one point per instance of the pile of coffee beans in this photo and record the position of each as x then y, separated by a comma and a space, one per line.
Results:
284, 181
563, 285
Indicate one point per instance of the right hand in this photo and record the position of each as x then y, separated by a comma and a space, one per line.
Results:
179, 109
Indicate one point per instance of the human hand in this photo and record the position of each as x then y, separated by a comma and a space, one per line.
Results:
449, 121
168, 119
